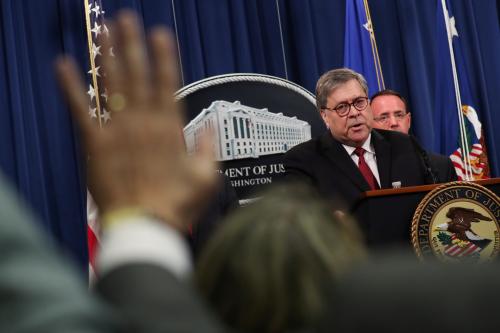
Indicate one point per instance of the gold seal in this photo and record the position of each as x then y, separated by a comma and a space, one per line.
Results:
457, 222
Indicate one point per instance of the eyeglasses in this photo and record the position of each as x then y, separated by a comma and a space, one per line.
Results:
343, 109
386, 117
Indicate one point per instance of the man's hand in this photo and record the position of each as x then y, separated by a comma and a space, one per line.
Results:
138, 160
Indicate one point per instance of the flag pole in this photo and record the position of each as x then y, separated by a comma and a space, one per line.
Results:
463, 135
376, 58
92, 62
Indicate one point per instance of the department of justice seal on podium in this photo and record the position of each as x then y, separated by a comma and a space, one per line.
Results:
457, 222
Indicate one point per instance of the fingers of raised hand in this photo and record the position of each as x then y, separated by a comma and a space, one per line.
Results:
166, 67
112, 77
203, 164
133, 56
129, 79
124, 64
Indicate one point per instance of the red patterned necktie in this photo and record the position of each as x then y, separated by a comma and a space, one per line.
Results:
365, 169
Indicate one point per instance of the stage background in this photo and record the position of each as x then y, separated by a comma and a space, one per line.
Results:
295, 39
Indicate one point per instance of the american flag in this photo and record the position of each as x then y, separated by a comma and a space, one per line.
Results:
96, 26
476, 158
93, 230
477, 166
456, 119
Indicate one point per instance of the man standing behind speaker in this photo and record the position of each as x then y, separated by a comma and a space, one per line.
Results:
390, 112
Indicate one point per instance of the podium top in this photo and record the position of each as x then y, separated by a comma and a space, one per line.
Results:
420, 188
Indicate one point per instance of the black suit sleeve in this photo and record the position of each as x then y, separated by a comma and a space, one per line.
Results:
223, 203
151, 299
443, 167
451, 174
295, 170
40, 289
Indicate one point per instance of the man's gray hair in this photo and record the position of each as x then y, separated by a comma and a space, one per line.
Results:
334, 78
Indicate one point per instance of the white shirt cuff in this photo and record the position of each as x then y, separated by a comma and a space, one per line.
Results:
142, 239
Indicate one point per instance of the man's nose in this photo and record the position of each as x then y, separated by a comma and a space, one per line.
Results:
353, 112
393, 121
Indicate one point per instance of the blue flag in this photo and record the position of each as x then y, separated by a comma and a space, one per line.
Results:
360, 51
456, 117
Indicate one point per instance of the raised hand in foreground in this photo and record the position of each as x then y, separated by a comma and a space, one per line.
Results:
138, 160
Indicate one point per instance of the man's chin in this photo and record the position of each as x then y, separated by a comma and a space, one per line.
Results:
353, 138
356, 141
359, 136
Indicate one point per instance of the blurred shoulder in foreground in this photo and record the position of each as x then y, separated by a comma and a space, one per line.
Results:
267, 269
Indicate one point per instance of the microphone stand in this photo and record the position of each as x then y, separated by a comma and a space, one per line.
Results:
424, 157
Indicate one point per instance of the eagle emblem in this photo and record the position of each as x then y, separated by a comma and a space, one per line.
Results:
457, 235
457, 222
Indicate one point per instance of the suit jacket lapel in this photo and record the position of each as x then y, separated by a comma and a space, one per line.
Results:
383, 155
337, 154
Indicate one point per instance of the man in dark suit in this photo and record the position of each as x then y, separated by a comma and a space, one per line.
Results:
351, 158
390, 112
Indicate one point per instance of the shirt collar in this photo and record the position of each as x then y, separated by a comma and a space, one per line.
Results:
367, 145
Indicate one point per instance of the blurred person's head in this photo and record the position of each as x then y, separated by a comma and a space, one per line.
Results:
271, 265
342, 100
390, 111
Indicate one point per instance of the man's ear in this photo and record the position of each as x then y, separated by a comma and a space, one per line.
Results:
325, 119
409, 119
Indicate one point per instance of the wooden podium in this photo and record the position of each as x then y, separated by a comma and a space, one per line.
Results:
385, 215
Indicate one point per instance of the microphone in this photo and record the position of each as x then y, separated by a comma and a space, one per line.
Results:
424, 157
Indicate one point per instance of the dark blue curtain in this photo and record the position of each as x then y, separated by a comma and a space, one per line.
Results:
405, 32
37, 145
293, 39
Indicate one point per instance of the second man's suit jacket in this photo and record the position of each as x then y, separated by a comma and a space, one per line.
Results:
325, 164
443, 168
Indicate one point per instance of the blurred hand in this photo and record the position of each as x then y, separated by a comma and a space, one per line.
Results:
138, 160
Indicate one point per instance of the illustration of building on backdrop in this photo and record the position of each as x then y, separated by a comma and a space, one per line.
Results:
242, 131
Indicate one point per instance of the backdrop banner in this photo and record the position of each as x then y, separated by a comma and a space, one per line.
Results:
254, 119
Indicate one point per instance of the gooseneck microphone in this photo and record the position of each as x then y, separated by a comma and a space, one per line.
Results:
424, 157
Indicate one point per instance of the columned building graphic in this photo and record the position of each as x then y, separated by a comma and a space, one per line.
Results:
242, 131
